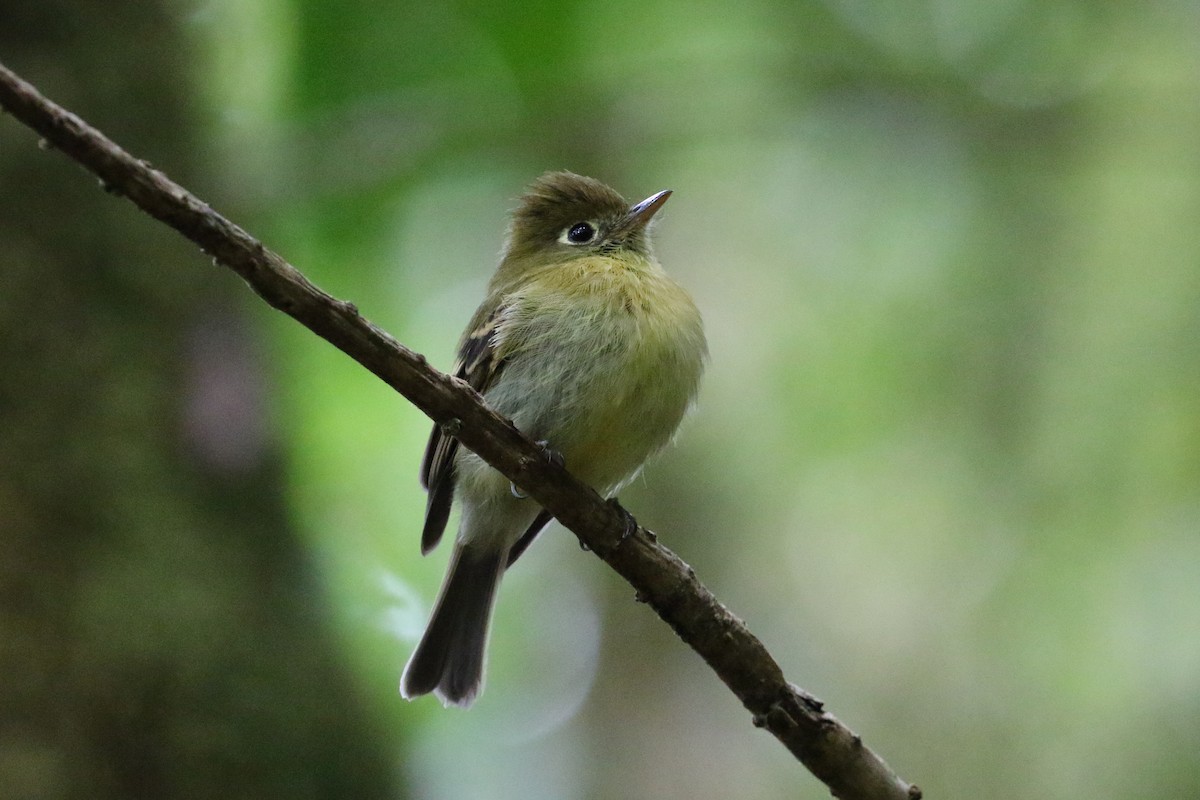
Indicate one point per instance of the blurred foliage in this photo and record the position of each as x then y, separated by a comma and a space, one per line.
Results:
947, 457
163, 632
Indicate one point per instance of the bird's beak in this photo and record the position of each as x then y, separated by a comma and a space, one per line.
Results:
640, 214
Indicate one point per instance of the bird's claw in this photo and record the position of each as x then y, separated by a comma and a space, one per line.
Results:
627, 519
551, 455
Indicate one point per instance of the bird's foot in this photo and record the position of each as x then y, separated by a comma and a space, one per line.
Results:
627, 519
551, 455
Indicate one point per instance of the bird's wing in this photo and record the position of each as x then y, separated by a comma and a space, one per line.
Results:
479, 363
522, 544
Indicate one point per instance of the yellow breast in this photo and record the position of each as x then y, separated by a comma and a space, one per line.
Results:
613, 350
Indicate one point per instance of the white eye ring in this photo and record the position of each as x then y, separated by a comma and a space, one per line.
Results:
579, 233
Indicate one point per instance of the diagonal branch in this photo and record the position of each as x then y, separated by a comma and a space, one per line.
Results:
831, 751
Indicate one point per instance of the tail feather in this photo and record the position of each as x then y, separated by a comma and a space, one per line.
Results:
449, 660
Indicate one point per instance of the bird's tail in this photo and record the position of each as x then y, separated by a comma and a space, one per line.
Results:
450, 658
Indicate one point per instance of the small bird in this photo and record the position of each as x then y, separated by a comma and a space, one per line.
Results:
592, 350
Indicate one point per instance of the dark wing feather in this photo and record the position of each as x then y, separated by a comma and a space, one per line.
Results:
528, 536
439, 481
478, 365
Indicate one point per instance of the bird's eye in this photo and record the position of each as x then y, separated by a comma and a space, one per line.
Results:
580, 233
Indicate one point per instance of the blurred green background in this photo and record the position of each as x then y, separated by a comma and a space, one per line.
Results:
946, 461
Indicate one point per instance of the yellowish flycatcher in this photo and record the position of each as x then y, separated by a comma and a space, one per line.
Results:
590, 348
